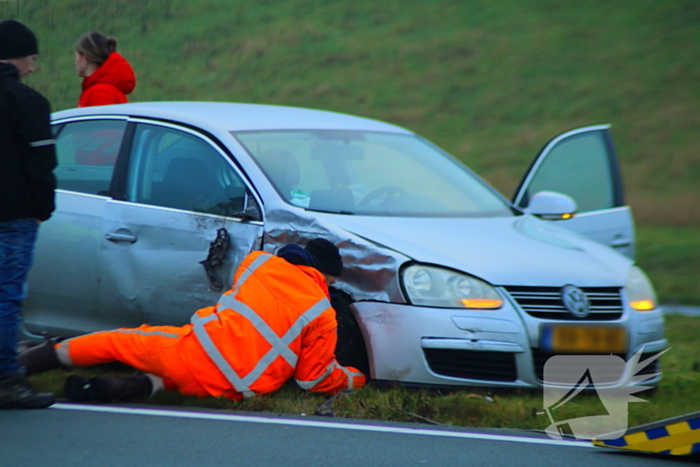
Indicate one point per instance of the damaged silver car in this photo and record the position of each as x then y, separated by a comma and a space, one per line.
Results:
447, 283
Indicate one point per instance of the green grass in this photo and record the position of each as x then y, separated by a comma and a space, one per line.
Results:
676, 395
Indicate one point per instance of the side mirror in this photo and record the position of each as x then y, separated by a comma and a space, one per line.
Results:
551, 205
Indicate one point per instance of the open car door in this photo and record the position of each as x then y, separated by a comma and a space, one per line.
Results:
582, 164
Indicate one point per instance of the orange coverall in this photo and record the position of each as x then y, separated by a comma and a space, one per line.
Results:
276, 323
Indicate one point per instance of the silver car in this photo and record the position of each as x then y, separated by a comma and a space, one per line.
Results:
447, 283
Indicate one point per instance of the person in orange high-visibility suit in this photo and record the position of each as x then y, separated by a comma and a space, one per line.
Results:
274, 324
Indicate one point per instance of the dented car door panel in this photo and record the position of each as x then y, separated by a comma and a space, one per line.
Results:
159, 278
172, 245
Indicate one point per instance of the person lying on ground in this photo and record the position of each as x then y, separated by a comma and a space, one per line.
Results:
274, 324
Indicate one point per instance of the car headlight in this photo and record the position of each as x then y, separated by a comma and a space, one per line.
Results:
438, 287
640, 291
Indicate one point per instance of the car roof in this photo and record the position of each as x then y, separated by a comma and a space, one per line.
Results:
238, 117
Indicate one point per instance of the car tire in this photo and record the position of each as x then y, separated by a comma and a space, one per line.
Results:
351, 349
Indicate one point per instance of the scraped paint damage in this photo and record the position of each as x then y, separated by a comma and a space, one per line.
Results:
215, 258
370, 271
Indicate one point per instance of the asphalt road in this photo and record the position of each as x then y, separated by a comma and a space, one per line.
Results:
119, 435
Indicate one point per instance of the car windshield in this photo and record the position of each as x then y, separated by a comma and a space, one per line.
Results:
370, 173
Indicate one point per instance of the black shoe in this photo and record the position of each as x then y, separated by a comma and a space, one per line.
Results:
16, 393
39, 358
107, 388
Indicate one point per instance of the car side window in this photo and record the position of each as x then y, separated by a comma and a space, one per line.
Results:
177, 169
578, 166
87, 153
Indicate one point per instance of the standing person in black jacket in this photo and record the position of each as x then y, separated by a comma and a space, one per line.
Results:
27, 183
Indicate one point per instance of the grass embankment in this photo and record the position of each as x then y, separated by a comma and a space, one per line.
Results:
676, 395
490, 82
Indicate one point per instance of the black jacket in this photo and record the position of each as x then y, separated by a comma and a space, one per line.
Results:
27, 150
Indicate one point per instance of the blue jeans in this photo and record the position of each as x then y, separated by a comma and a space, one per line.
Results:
17, 239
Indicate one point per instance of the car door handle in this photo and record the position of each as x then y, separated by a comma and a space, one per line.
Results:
620, 241
121, 236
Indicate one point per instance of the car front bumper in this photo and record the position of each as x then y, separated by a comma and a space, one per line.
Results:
497, 348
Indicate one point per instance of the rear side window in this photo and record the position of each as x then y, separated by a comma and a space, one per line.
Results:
87, 153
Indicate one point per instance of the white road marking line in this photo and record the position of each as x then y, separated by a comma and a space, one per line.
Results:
317, 424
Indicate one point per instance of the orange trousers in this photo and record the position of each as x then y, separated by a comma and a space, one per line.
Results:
151, 349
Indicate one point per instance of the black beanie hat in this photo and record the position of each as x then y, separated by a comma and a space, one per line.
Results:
16, 40
327, 255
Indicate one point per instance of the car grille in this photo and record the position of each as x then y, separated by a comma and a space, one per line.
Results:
539, 358
485, 366
545, 302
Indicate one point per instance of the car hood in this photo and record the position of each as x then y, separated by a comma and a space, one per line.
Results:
520, 250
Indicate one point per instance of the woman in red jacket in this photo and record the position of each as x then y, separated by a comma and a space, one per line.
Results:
107, 76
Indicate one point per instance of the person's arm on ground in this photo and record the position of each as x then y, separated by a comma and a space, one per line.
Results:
317, 369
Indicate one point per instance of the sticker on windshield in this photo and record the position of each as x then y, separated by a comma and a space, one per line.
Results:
300, 198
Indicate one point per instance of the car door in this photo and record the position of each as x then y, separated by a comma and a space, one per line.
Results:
181, 192
582, 164
64, 281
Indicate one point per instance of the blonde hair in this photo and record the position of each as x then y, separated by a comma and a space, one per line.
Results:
96, 47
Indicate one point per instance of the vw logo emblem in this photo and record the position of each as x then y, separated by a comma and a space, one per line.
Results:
575, 301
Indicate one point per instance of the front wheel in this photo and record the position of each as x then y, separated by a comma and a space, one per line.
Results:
351, 349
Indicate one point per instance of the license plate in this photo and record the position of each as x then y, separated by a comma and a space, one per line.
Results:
581, 339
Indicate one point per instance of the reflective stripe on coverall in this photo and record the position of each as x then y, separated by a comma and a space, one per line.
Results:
276, 323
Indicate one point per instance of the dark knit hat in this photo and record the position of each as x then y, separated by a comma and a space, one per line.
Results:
16, 40
328, 256
295, 254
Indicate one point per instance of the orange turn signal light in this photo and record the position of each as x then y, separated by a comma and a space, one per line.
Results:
643, 305
482, 303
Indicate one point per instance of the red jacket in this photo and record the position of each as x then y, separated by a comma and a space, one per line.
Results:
109, 84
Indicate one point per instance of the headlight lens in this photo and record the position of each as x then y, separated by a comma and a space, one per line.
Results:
640, 291
433, 286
